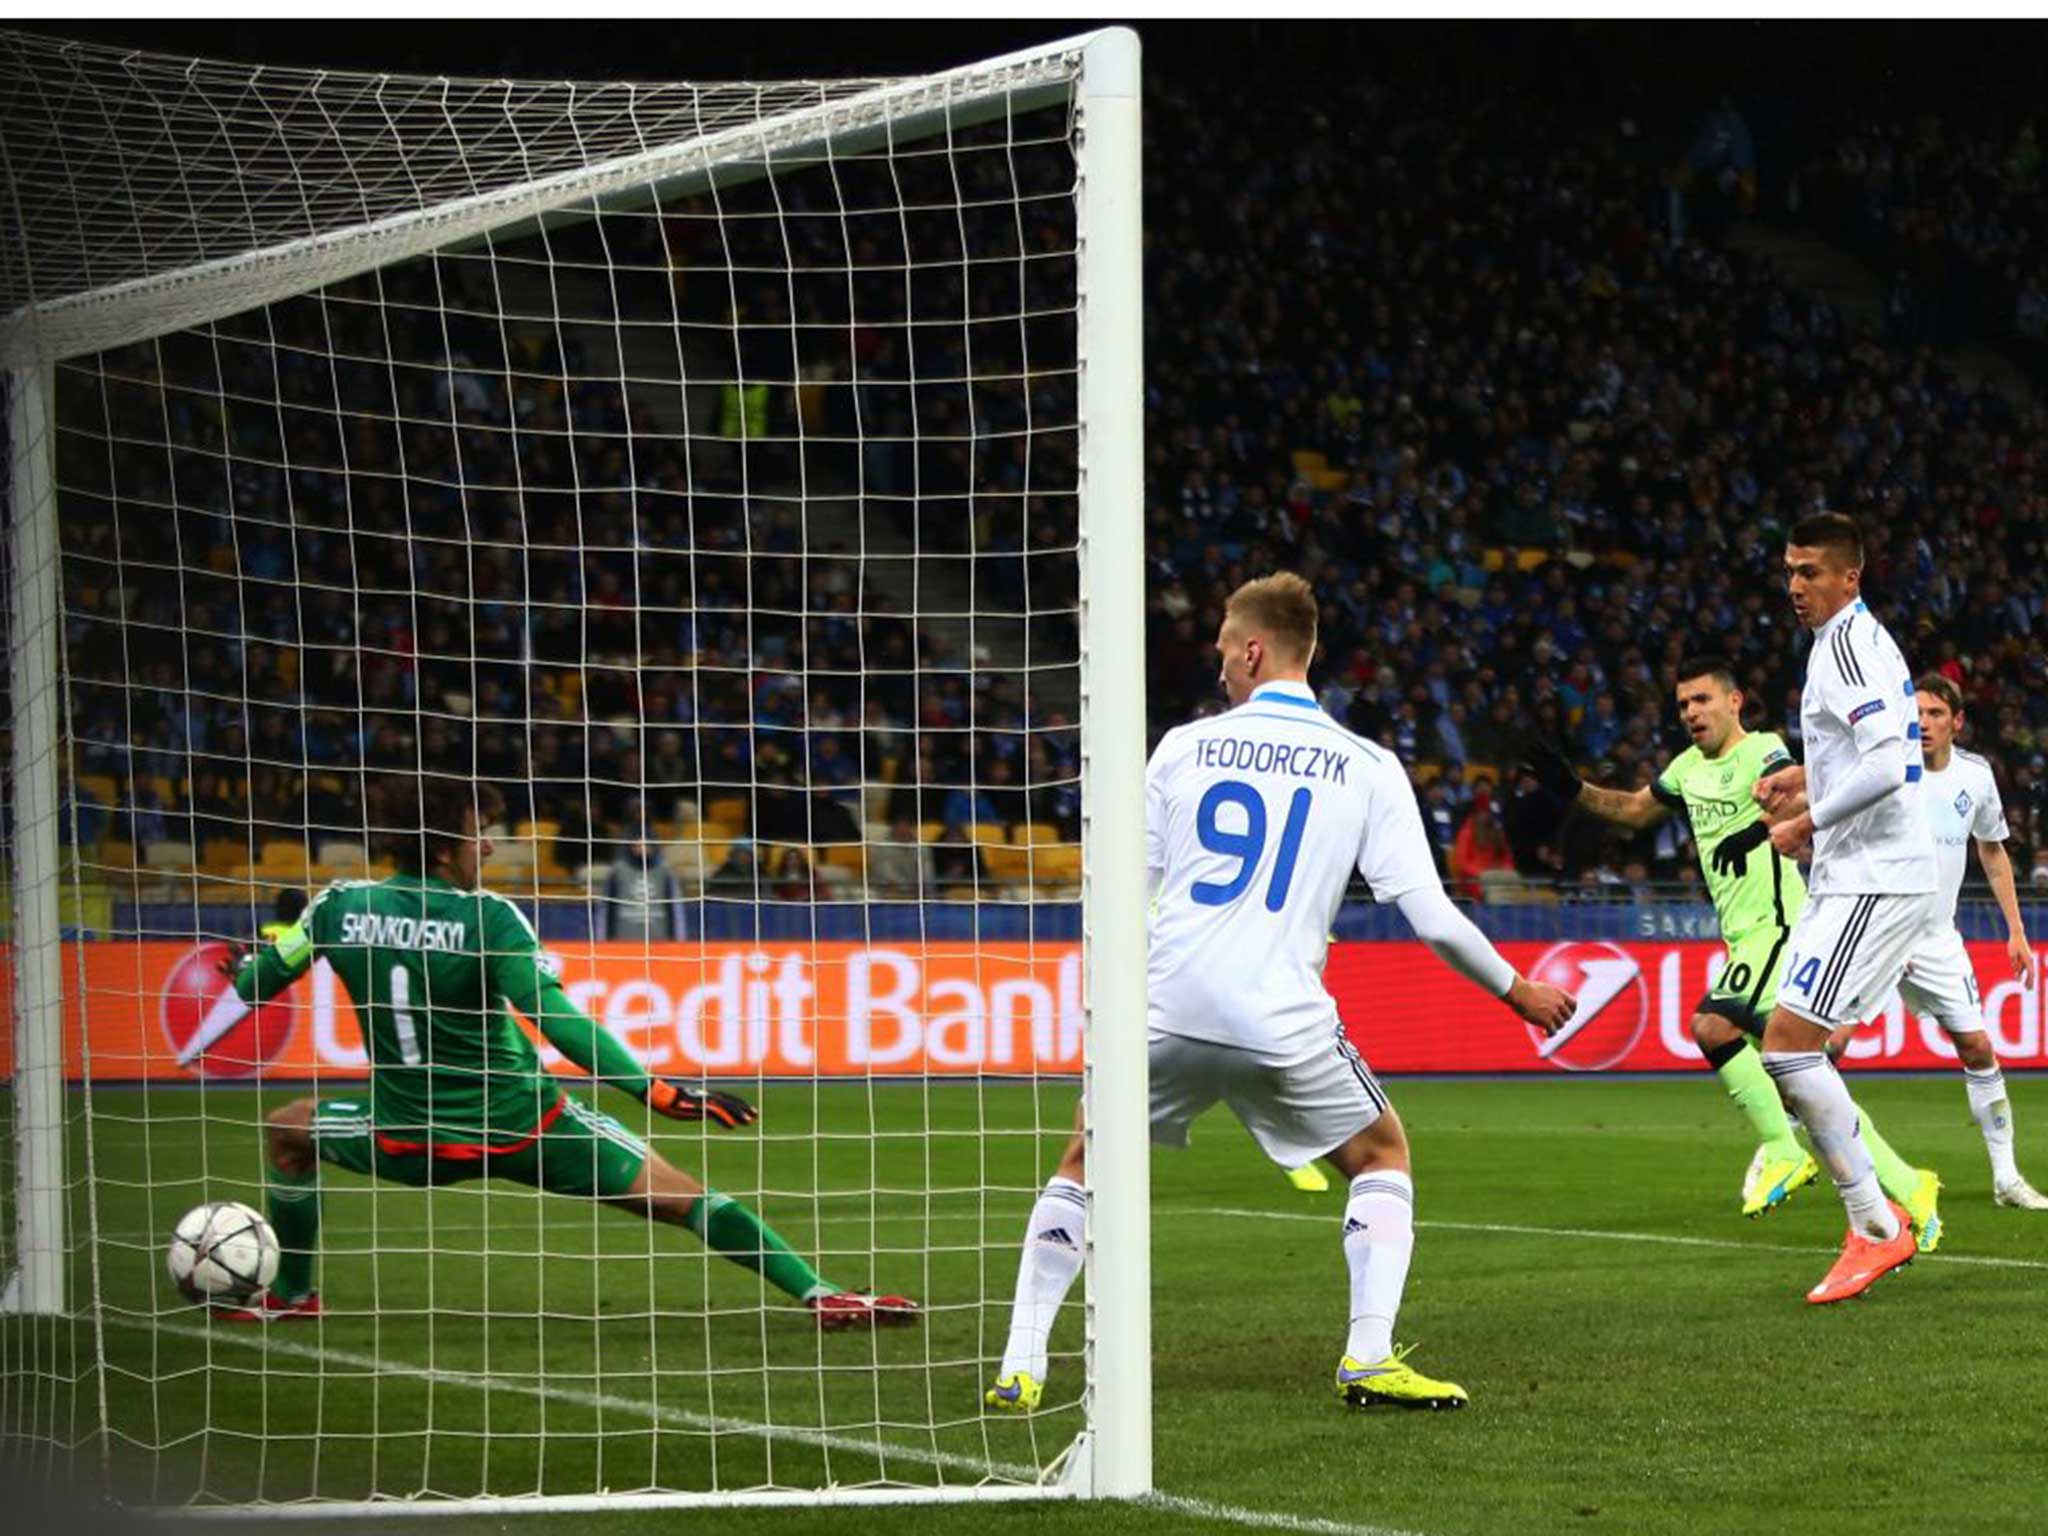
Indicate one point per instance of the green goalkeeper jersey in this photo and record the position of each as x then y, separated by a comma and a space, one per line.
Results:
1715, 794
433, 971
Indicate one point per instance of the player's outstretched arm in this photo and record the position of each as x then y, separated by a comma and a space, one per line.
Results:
1395, 859
1623, 807
1997, 865
253, 977
593, 1048
1457, 941
522, 975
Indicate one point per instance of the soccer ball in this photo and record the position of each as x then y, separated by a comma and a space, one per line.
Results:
222, 1252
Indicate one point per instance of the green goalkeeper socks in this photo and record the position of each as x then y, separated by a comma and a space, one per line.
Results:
738, 1234
1742, 1073
294, 1201
1893, 1174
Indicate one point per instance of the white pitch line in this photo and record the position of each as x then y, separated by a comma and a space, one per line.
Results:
268, 1342
1989, 1261
1262, 1519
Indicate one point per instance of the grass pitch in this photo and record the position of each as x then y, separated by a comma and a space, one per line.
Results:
1640, 1359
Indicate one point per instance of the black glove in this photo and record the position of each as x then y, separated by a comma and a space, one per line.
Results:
1552, 768
1731, 854
230, 964
679, 1101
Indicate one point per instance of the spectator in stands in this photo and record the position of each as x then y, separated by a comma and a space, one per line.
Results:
1481, 845
1599, 731
640, 899
968, 806
82, 817
1440, 819
900, 865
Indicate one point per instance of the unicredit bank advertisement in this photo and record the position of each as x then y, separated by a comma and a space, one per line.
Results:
850, 1010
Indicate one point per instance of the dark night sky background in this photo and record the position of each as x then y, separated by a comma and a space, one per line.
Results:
1603, 64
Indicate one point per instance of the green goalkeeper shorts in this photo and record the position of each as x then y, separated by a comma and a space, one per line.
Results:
575, 1150
1747, 989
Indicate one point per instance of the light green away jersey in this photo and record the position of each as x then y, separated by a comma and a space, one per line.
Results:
1715, 794
430, 969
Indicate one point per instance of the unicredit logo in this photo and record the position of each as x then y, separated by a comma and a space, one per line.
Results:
198, 977
1614, 1005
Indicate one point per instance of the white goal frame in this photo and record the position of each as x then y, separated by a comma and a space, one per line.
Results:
1112, 1456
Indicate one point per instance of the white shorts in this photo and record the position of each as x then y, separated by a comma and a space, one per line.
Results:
1941, 983
1849, 953
1295, 1109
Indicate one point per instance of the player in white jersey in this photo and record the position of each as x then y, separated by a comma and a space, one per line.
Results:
1254, 822
1871, 891
1961, 801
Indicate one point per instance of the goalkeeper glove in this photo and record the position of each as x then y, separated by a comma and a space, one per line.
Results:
1552, 768
230, 964
678, 1101
1731, 854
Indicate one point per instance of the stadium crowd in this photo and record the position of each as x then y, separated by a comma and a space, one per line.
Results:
1437, 352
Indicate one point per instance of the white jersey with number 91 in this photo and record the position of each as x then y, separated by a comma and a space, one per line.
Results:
1254, 821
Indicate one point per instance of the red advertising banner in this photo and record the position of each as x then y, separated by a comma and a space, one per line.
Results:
1636, 998
849, 1010
828, 1009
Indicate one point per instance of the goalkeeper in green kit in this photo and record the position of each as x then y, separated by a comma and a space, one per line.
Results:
1757, 895
457, 1090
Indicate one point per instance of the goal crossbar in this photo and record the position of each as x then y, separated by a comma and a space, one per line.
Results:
50, 329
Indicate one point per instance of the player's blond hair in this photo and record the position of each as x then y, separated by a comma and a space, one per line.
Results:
1281, 608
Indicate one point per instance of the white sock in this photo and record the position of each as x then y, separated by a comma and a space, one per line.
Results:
1045, 1273
1379, 1237
1813, 1090
1994, 1118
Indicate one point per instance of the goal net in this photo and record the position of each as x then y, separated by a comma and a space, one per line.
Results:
735, 488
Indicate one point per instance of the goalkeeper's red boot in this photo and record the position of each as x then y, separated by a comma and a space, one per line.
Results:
271, 1309
851, 1309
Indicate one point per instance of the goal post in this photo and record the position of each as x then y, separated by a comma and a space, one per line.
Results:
35, 1285
255, 317
1113, 758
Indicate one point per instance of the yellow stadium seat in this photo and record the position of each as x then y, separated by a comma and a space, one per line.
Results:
169, 855
518, 876
851, 857
1007, 863
1058, 865
1029, 832
103, 787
